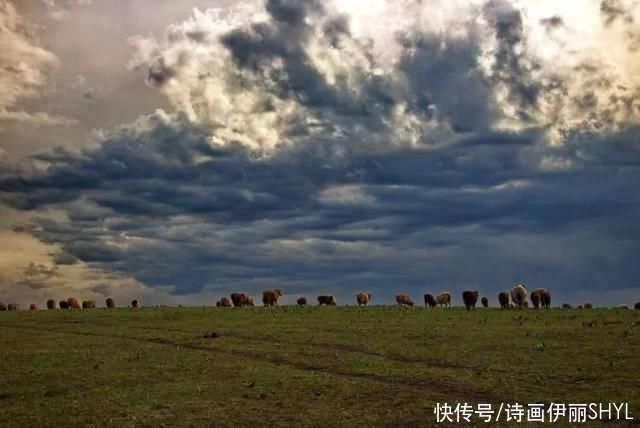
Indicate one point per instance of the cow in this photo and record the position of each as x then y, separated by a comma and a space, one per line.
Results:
363, 298
270, 297
541, 297
326, 300
33, 307
51, 304
588, 305
3, 307
444, 299
503, 298
470, 298
224, 302
13, 307
404, 300
242, 299
88, 304
579, 307
73, 303
111, 304
622, 307
429, 301
134, 303
302, 301
485, 302
63, 304
566, 306
637, 306
519, 296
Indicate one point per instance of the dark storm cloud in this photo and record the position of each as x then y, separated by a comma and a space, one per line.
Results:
349, 203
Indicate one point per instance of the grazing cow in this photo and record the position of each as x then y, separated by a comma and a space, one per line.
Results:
13, 307
73, 303
270, 297
63, 304
566, 306
134, 303
470, 298
302, 301
519, 296
503, 298
404, 300
242, 299
485, 302
327, 300
429, 301
637, 306
444, 299
535, 299
51, 304
111, 304
33, 307
622, 307
3, 307
224, 302
363, 298
588, 305
88, 304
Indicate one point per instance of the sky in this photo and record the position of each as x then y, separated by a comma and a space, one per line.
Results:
176, 152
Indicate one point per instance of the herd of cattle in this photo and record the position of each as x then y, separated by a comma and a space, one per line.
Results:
518, 298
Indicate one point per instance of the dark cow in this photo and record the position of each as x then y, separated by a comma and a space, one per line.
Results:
63, 304
543, 296
485, 302
588, 305
13, 307
51, 304
327, 300
404, 300
566, 306
429, 301
302, 301
535, 299
503, 298
637, 306
3, 307
270, 297
579, 307
111, 304
242, 299
224, 302
363, 298
470, 298
134, 304
33, 307
73, 303
88, 304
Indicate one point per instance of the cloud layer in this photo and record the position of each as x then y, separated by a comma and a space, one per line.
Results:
306, 150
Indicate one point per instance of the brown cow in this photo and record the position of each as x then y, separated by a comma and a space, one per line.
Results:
33, 307
519, 296
327, 300
302, 301
540, 297
444, 299
637, 306
503, 298
404, 300
535, 299
3, 307
588, 305
485, 302
242, 299
111, 304
224, 302
88, 304
13, 307
429, 301
363, 298
73, 303
51, 304
270, 297
134, 304
470, 298
63, 304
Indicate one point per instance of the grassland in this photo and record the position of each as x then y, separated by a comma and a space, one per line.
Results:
305, 366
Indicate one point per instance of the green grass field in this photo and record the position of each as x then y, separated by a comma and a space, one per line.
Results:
306, 366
